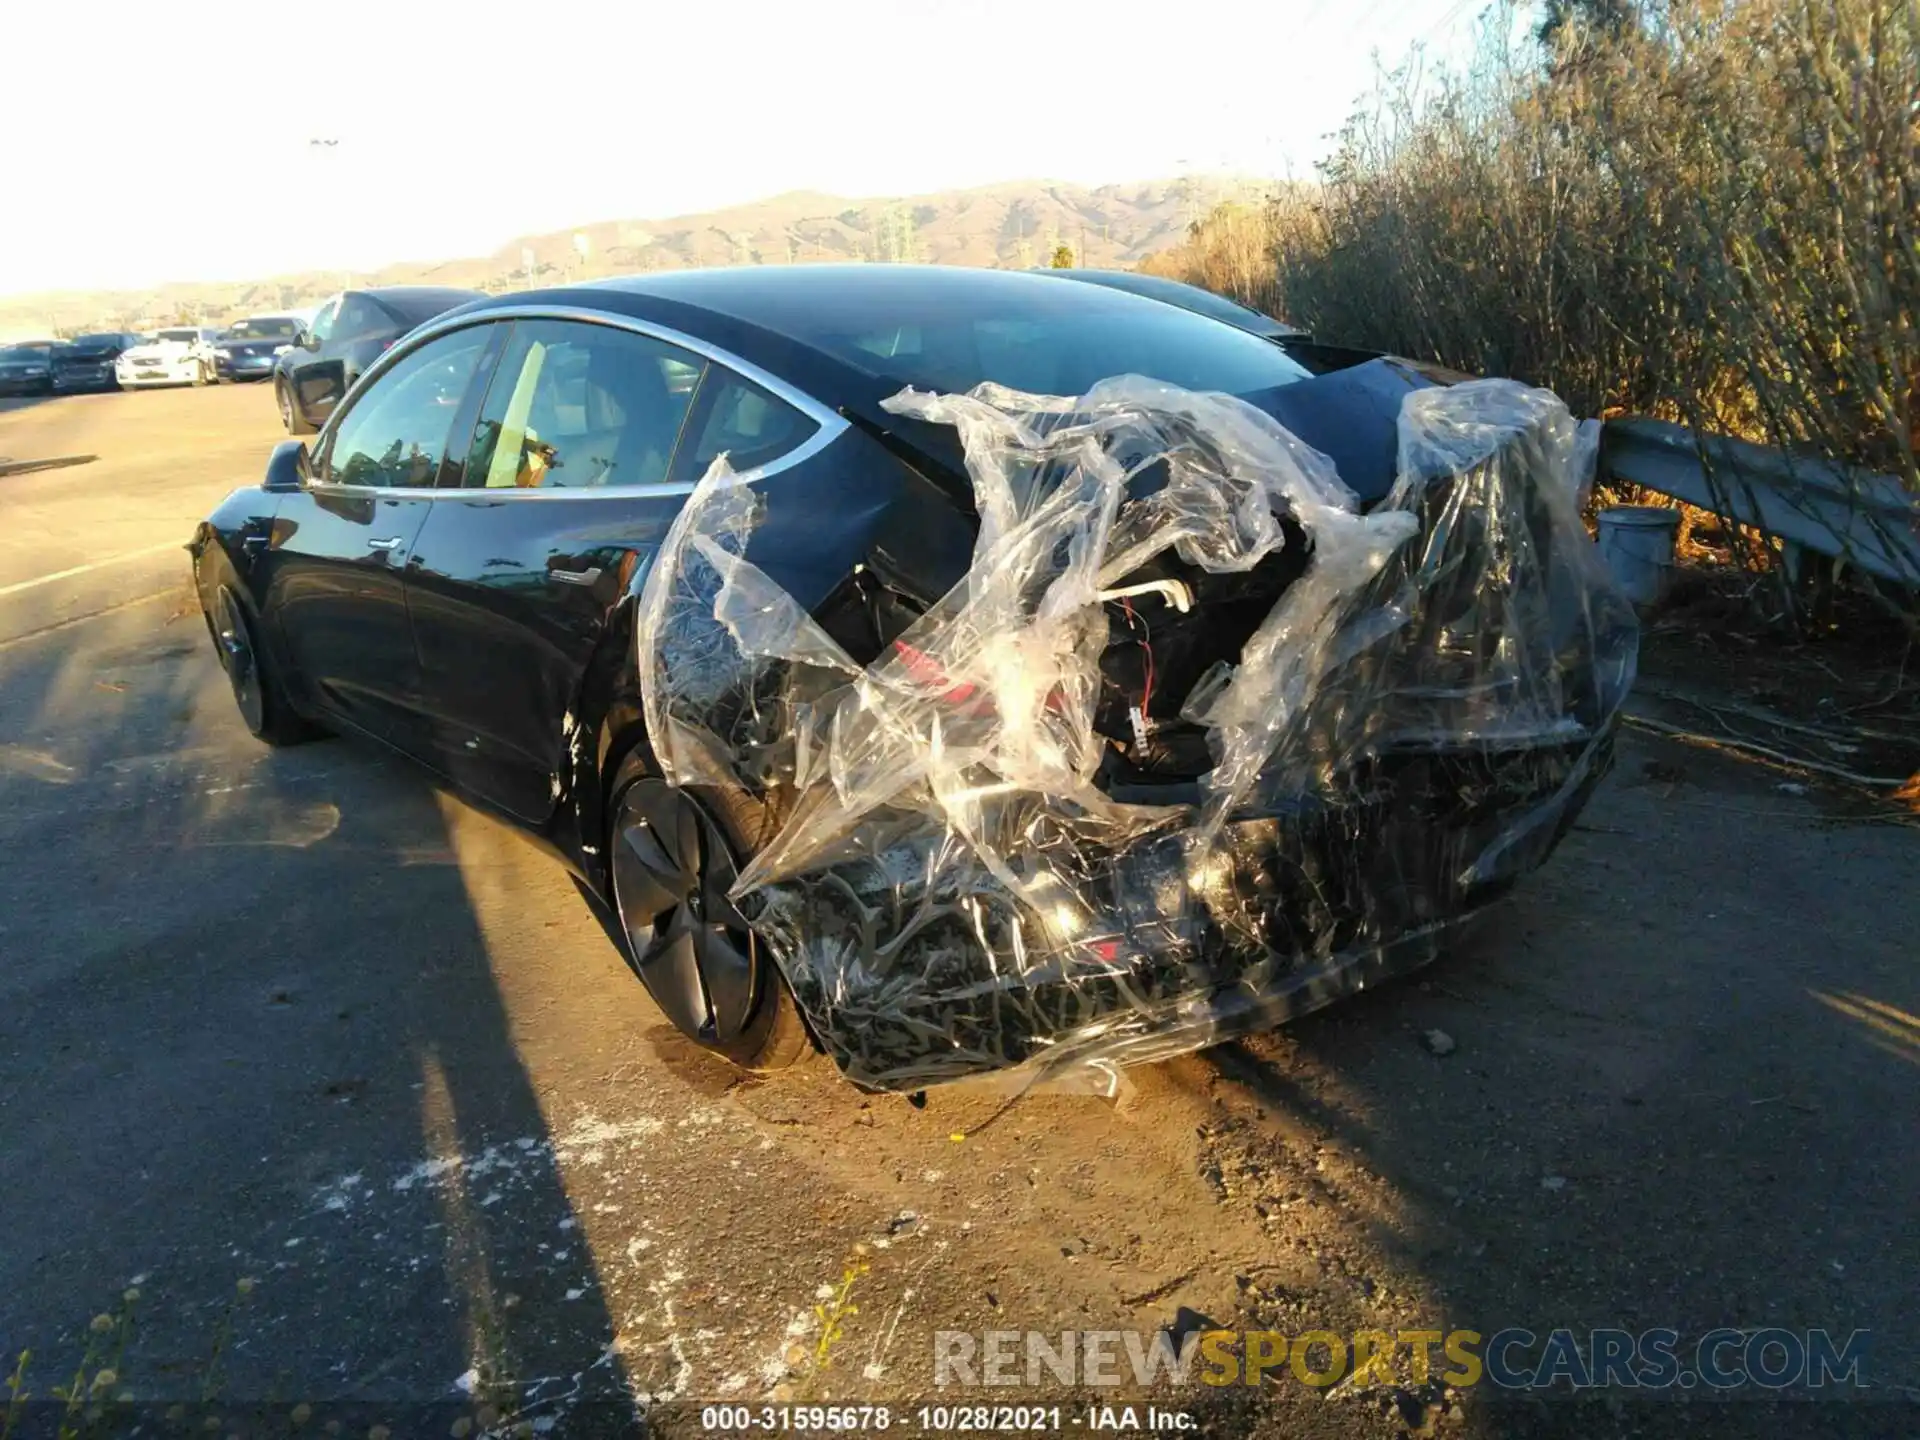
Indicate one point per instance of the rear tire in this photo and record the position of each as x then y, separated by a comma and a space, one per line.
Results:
773, 1036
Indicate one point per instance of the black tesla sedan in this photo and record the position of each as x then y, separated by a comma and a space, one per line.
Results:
489, 560
346, 335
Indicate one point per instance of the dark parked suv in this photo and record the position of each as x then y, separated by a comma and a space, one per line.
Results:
346, 336
86, 361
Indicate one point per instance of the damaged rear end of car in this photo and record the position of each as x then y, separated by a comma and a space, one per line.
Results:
1196, 745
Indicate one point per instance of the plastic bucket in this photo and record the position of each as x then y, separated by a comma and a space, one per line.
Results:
1637, 542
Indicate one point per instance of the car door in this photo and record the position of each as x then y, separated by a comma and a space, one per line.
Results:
577, 466
335, 568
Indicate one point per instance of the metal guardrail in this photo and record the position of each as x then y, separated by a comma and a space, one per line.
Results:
1811, 504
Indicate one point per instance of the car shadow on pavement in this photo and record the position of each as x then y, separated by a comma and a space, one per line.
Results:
1658, 1090
257, 1067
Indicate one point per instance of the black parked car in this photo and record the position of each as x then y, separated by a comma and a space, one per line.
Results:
249, 349
27, 369
346, 336
86, 361
469, 564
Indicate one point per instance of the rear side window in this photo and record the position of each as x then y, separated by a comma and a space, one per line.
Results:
396, 433
578, 406
737, 418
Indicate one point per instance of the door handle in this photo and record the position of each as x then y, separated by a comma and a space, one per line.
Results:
588, 576
387, 545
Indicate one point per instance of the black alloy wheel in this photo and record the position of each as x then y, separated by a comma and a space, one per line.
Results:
672, 867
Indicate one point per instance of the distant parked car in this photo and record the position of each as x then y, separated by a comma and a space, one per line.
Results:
27, 369
346, 336
86, 361
177, 355
1187, 297
247, 349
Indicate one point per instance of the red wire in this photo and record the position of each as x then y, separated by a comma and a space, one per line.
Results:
1146, 697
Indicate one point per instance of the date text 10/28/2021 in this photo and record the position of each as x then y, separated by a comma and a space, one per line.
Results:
931, 1419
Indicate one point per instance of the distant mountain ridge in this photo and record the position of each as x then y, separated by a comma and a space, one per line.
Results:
1011, 224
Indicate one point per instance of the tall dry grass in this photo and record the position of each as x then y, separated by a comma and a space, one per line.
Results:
1711, 215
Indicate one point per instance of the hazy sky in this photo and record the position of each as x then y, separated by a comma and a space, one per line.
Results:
163, 141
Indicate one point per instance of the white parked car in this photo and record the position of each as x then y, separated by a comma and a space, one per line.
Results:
179, 355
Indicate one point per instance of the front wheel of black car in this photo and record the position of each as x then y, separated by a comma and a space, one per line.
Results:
257, 691
289, 416
673, 858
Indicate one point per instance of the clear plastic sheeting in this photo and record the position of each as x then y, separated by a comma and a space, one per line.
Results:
1195, 746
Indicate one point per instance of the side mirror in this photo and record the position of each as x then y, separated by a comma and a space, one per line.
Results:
307, 340
287, 467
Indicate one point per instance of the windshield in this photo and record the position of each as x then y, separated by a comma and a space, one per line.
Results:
92, 341
274, 327
25, 352
183, 337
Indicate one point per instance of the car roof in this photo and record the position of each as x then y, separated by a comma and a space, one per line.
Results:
417, 302
786, 298
1187, 297
405, 293
771, 314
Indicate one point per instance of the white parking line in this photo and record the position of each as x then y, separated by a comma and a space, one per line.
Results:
18, 586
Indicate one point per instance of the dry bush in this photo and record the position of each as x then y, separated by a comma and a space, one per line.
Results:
1709, 214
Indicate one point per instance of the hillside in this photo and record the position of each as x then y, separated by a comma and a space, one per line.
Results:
1014, 224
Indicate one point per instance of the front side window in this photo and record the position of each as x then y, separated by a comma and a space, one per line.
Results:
396, 433
576, 405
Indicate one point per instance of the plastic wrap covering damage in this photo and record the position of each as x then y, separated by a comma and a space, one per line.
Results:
1193, 748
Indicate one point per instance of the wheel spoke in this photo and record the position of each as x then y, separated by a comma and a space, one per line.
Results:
643, 839
645, 881
671, 968
728, 976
